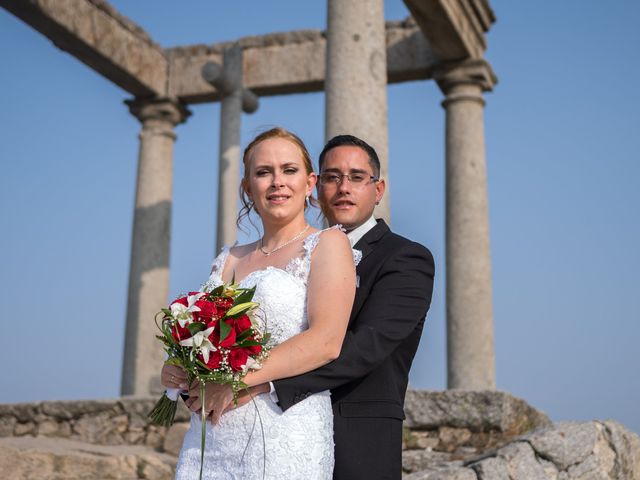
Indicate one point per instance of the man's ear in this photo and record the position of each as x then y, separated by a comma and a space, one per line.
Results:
380, 188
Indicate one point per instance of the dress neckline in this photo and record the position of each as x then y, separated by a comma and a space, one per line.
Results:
223, 262
308, 245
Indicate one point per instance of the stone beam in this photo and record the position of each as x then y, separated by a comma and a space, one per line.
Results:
455, 28
292, 62
97, 35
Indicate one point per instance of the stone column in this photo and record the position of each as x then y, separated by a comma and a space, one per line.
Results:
356, 79
228, 81
470, 349
149, 270
229, 165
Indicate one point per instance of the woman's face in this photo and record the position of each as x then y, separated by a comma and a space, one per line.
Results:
278, 182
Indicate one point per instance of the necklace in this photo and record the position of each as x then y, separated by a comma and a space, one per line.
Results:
284, 244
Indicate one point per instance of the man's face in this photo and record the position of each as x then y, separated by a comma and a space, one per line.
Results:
347, 203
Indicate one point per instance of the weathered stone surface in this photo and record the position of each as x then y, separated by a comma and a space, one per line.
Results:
7, 425
417, 439
173, 440
98, 36
292, 62
491, 469
566, 443
521, 461
24, 429
455, 473
626, 446
455, 28
55, 459
474, 410
450, 438
590, 469
550, 470
22, 412
418, 460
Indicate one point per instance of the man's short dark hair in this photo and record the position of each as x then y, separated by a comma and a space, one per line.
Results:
350, 140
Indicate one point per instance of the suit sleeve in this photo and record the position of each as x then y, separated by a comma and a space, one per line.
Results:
397, 303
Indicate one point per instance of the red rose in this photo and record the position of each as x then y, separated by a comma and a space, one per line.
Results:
181, 300
240, 324
254, 349
238, 358
180, 333
207, 311
215, 360
229, 340
223, 304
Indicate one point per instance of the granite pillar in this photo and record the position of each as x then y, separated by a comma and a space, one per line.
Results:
356, 79
470, 344
149, 269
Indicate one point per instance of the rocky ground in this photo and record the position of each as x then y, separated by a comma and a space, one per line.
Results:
449, 435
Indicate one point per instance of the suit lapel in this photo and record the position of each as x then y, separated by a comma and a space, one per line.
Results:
369, 239
366, 245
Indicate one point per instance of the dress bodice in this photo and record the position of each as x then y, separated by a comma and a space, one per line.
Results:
258, 440
281, 292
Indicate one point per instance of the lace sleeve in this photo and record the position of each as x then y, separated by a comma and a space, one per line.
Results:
217, 267
218, 263
299, 267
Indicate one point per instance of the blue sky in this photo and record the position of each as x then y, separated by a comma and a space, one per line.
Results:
562, 136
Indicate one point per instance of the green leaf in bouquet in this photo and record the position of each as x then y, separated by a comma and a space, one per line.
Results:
174, 361
240, 309
216, 292
245, 296
249, 343
166, 311
225, 328
265, 338
246, 334
196, 327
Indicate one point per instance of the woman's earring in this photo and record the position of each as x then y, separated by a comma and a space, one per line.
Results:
306, 201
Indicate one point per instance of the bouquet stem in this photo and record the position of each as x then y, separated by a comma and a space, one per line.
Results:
164, 412
203, 421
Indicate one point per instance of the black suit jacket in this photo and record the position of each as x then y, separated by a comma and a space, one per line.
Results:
368, 381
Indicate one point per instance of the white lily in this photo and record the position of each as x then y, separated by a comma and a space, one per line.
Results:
183, 314
201, 343
252, 364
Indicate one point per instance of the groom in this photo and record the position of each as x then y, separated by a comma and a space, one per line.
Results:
369, 379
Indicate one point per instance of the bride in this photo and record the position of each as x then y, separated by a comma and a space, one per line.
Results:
305, 283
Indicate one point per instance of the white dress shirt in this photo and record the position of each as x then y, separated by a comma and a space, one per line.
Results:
357, 233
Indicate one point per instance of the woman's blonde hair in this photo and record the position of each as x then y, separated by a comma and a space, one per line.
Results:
276, 132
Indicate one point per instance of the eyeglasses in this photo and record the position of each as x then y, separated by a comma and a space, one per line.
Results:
357, 178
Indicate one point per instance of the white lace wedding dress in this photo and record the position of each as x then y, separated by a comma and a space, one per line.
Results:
258, 440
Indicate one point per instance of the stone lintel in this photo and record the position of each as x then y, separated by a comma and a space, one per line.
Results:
455, 28
97, 35
474, 72
292, 62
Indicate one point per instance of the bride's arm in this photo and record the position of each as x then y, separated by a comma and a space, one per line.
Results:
330, 293
331, 290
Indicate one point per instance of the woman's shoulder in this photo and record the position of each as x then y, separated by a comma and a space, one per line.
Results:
328, 239
242, 250
234, 251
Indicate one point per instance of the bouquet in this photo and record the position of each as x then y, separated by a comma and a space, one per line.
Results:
215, 336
